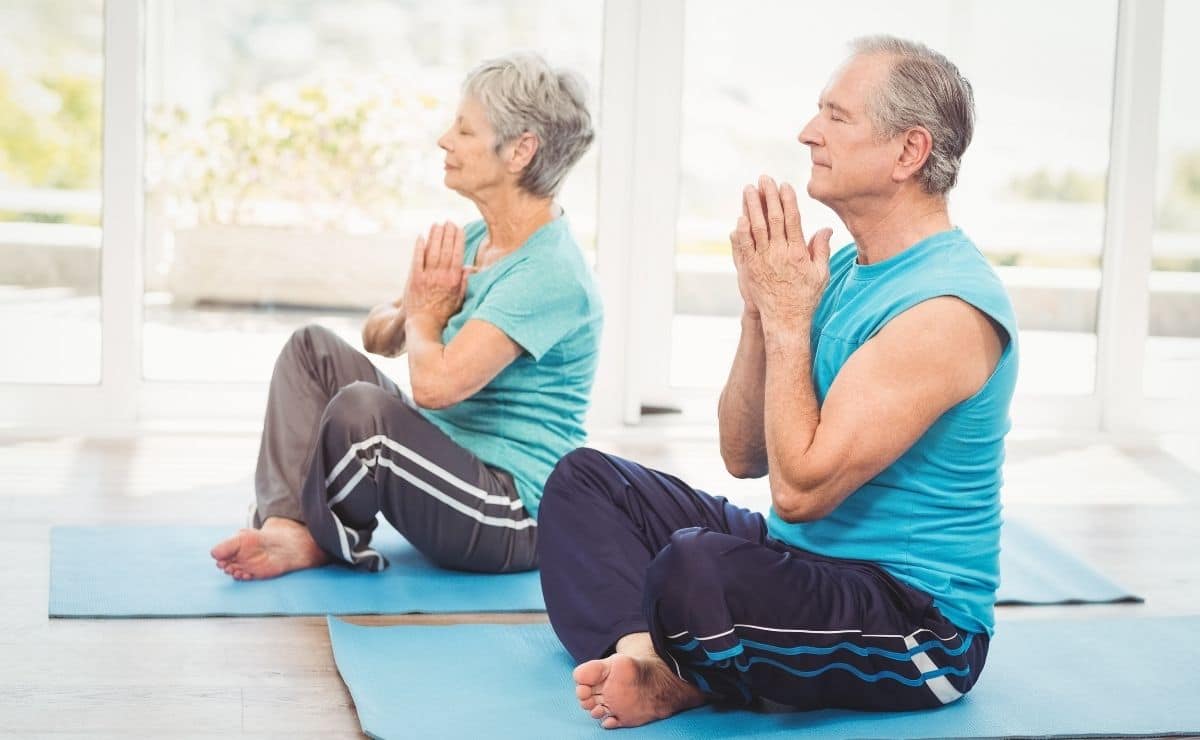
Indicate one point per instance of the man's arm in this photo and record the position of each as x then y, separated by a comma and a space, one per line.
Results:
383, 331
740, 410
888, 394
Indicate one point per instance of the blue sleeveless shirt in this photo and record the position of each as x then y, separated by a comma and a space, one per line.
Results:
932, 518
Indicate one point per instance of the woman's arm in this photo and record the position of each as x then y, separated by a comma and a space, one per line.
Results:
442, 375
383, 331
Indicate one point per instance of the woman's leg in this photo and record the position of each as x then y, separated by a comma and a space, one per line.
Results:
312, 367
376, 453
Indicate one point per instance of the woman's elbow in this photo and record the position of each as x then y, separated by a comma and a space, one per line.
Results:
433, 396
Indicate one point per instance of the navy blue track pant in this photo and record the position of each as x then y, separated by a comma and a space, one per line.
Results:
627, 549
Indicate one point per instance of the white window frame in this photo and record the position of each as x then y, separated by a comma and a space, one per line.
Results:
638, 201
1118, 403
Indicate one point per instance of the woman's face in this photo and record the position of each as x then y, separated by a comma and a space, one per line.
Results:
472, 164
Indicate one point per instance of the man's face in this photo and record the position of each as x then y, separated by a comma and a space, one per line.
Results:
849, 162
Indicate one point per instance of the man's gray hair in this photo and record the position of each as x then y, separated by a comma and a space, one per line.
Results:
924, 89
522, 92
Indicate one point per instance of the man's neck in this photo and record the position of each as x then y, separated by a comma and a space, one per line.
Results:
883, 230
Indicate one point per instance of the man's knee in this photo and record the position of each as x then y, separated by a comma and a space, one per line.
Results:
572, 477
687, 564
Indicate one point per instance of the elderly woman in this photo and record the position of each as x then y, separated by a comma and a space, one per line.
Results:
501, 323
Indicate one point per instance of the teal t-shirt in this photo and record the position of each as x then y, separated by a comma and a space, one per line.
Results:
931, 518
544, 297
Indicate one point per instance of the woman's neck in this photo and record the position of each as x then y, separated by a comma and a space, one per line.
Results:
512, 217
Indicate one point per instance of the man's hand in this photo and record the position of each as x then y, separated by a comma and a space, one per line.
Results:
781, 274
437, 282
749, 310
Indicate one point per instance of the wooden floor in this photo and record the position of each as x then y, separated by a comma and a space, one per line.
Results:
1130, 508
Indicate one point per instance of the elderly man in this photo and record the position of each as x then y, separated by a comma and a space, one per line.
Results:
873, 390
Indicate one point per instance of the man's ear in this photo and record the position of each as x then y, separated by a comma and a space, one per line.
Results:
914, 152
523, 150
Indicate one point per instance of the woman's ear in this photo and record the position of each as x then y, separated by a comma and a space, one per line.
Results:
523, 150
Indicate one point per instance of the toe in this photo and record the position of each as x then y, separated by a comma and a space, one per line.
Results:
591, 673
225, 549
611, 723
598, 711
588, 703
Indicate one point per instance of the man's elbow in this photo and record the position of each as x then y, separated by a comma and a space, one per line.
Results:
740, 467
796, 504
743, 463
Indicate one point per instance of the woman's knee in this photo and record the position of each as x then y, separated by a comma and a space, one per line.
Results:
356, 403
310, 337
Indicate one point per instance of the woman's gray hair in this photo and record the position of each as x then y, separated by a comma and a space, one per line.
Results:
923, 88
522, 92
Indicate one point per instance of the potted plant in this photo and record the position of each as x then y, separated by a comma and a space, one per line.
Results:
309, 192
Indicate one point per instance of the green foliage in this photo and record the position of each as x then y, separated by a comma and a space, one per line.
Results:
323, 153
1070, 186
1180, 210
55, 148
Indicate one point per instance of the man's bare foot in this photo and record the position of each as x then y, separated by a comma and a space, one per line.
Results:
631, 688
281, 546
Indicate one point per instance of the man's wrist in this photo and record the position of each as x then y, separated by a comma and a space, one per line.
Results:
790, 332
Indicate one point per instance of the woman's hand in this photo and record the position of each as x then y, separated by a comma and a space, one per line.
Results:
437, 282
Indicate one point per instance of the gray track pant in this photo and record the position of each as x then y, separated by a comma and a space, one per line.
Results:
342, 443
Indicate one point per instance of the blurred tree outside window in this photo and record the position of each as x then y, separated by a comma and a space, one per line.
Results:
51, 89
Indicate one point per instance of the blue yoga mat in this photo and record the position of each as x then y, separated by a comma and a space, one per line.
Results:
167, 572
1043, 679
1035, 571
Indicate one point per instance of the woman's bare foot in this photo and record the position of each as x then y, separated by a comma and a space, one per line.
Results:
634, 687
281, 546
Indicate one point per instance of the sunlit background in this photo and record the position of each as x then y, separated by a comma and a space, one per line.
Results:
289, 161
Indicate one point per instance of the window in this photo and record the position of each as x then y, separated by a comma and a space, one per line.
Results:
1031, 191
51, 72
1173, 343
288, 175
